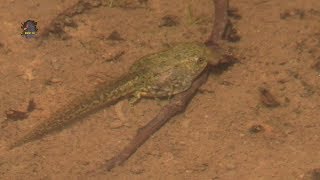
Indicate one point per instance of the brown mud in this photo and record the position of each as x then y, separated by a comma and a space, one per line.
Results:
258, 119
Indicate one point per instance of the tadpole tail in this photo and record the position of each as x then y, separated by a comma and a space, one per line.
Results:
35, 133
80, 108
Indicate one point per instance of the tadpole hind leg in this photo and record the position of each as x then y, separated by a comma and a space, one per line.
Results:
135, 98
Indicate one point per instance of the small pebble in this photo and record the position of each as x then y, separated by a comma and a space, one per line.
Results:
230, 166
116, 124
137, 169
168, 21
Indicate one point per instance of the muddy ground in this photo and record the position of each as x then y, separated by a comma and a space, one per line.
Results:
230, 130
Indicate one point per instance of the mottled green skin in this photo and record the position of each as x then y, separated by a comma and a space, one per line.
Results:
172, 71
157, 75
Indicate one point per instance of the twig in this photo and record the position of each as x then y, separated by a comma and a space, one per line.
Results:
177, 105
221, 19
179, 102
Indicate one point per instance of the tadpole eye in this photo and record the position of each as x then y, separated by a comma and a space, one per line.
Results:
200, 59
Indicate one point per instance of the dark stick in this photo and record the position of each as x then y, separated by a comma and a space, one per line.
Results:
179, 102
219, 24
177, 105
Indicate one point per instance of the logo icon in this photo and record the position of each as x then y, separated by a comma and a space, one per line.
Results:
29, 28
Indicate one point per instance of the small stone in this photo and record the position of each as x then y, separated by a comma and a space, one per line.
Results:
200, 167
230, 166
167, 157
267, 98
137, 169
115, 36
155, 153
168, 21
256, 128
55, 80
293, 13
127, 124
188, 171
116, 124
